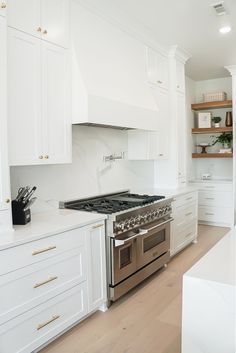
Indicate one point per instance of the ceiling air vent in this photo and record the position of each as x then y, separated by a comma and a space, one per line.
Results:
219, 8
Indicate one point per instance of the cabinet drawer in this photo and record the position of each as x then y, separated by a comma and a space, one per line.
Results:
40, 282
183, 216
29, 331
214, 186
215, 214
214, 198
184, 236
30, 253
184, 199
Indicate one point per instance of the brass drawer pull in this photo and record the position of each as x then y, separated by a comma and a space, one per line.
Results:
188, 214
210, 198
55, 317
189, 198
36, 252
209, 214
50, 279
98, 226
188, 235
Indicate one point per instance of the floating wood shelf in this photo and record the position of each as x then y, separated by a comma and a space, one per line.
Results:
212, 155
212, 105
211, 130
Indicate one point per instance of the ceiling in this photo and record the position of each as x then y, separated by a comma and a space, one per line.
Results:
191, 24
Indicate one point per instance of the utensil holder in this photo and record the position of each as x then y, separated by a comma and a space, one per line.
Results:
19, 215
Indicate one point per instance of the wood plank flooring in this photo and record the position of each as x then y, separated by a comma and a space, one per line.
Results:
146, 320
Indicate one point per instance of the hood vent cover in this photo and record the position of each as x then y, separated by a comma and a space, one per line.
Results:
219, 9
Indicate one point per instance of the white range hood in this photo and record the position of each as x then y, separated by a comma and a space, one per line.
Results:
109, 75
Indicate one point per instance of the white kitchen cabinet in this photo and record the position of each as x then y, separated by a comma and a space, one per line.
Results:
56, 104
180, 76
38, 101
59, 280
5, 214
145, 145
96, 266
157, 68
181, 131
184, 228
3, 7
45, 19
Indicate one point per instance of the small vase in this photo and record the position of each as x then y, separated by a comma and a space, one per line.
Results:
228, 119
217, 125
226, 146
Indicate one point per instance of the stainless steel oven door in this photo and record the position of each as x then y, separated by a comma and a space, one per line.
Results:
154, 243
123, 257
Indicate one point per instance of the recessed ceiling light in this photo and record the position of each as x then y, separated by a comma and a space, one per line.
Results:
225, 29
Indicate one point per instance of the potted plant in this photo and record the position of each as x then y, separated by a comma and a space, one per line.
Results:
225, 139
216, 120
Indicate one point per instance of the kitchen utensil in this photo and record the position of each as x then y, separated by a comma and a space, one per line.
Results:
29, 195
228, 119
30, 203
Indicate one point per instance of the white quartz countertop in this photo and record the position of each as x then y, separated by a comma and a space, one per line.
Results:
211, 181
48, 223
219, 264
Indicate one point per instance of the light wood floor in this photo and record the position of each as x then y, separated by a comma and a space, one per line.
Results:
146, 320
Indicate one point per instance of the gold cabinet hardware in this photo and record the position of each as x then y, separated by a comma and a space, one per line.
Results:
3, 5
188, 235
189, 198
45, 32
8, 200
50, 279
98, 226
188, 214
55, 317
40, 157
160, 82
37, 252
160, 155
46, 157
39, 29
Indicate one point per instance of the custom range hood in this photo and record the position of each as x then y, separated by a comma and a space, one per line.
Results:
109, 85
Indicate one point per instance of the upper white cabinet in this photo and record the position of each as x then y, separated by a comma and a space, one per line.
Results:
38, 101
180, 76
45, 19
3, 6
157, 68
181, 131
5, 202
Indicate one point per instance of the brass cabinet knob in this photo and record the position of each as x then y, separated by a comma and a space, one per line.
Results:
8, 200
39, 29
40, 157
3, 5
45, 32
46, 157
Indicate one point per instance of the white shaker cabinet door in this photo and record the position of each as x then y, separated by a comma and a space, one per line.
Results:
4, 169
55, 21
96, 265
25, 16
56, 104
24, 98
3, 7
181, 128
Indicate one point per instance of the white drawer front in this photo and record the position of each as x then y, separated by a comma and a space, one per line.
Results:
40, 282
215, 214
183, 200
184, 214
185, 236
214, 198
214, 186
30, 253
32, 329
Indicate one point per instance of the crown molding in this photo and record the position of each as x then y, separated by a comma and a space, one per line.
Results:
231, 69
132, 28
180, 54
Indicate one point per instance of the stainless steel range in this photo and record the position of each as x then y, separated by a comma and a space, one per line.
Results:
137, 236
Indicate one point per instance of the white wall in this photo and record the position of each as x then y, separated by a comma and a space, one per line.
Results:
217, 85
88, 174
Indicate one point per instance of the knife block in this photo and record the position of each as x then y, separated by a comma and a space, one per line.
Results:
19, 215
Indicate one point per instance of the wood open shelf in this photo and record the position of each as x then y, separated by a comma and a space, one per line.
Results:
212, 155
211, 130
212, 105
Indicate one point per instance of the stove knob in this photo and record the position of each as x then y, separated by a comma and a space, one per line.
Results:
132, 222
137, 220
127, 224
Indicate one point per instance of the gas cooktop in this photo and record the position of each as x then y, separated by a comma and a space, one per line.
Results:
112, 203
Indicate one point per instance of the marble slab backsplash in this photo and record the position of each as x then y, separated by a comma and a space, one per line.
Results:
88, 174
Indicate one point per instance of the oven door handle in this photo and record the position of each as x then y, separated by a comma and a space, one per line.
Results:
158, 225
124, 241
